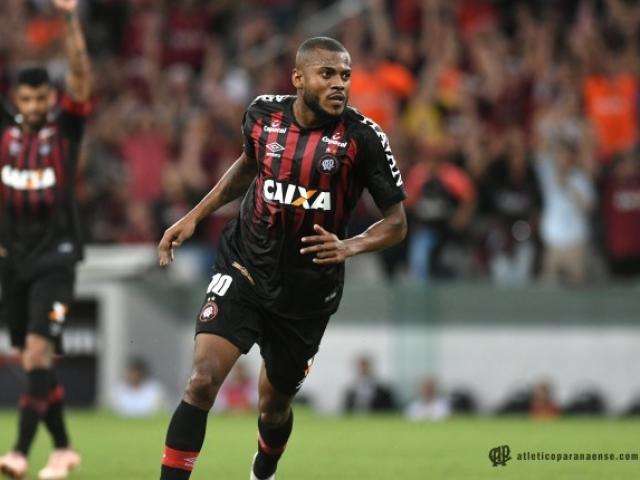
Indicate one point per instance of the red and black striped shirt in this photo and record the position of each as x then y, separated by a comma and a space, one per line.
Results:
37, 180
305, 177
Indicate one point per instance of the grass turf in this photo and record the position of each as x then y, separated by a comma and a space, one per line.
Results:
332, 448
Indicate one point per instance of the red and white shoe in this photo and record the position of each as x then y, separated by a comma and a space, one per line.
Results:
60, 464
14, 465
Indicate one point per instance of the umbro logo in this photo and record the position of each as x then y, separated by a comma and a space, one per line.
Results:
275, 147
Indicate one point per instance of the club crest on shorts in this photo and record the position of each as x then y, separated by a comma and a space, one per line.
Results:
328, 164
209, 311
58, 312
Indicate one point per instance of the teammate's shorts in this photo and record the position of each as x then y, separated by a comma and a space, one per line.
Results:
287, 346
38, 304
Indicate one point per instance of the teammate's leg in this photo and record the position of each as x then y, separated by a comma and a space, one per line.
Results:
54, 419
214, 357
15, 314
37, 357
275, 422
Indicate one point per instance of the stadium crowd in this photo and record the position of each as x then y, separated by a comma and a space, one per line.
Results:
515, 123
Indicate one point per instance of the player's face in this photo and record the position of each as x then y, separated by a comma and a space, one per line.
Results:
325, 82
34, 103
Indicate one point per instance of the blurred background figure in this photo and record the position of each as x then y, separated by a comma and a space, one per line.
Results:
430, 405
238, 393
367, 393
568, 198
139, 394
441, 200
543, 406
621, 215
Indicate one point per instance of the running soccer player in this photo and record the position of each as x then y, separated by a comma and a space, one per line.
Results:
39, 241
280, 269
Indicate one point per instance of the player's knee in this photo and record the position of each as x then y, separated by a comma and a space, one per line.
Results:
274, 411
202, 388
37, 354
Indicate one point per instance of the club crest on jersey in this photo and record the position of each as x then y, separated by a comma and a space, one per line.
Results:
45, 149
15, 147
297, 196
328, 164
209, 311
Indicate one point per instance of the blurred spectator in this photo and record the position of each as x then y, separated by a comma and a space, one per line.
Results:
587, 402
430, 404
139, 395
510, 199
367, 393
441, 200
568, 197
543, 407
621, 215
238, 393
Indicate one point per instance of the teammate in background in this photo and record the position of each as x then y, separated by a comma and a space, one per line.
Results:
39, 241
280, 269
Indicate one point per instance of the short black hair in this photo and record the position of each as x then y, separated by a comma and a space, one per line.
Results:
318, 43
33, 77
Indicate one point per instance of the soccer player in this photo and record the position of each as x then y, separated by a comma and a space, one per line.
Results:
39, 241
280, 268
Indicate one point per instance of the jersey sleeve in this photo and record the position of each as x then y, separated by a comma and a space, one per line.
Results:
248, 122
73, 116
378, 168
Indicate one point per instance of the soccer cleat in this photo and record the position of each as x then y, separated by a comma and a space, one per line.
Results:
60, 463
14, 465
253, 476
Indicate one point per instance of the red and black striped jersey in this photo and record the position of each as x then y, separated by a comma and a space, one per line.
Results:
306, 176
37, 184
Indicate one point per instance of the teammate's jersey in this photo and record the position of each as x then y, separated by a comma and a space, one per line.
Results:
305, 177
38, 217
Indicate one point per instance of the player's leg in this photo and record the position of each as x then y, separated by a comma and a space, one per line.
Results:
275, 422
50, 295
15, 314
288, 349
214, 356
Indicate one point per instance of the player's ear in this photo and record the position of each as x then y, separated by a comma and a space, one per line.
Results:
296, 78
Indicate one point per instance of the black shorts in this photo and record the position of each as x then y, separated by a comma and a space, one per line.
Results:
287, 346
38, 304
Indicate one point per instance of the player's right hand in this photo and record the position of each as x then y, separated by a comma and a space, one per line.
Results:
173, 238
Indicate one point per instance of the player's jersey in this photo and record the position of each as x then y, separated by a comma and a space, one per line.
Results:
305, 177
38, 217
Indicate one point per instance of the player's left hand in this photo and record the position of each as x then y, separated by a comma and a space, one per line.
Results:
328, 247
67, 6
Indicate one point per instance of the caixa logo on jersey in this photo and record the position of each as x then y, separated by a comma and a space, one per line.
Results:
295, 195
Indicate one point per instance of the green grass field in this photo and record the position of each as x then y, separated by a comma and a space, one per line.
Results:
330, 448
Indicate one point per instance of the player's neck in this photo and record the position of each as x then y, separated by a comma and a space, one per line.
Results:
306, 117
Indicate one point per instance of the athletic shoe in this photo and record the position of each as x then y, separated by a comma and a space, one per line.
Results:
60, 463
14, 465
253, 477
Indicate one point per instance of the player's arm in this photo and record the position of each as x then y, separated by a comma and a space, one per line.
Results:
232, 185
383, 234
79, 77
